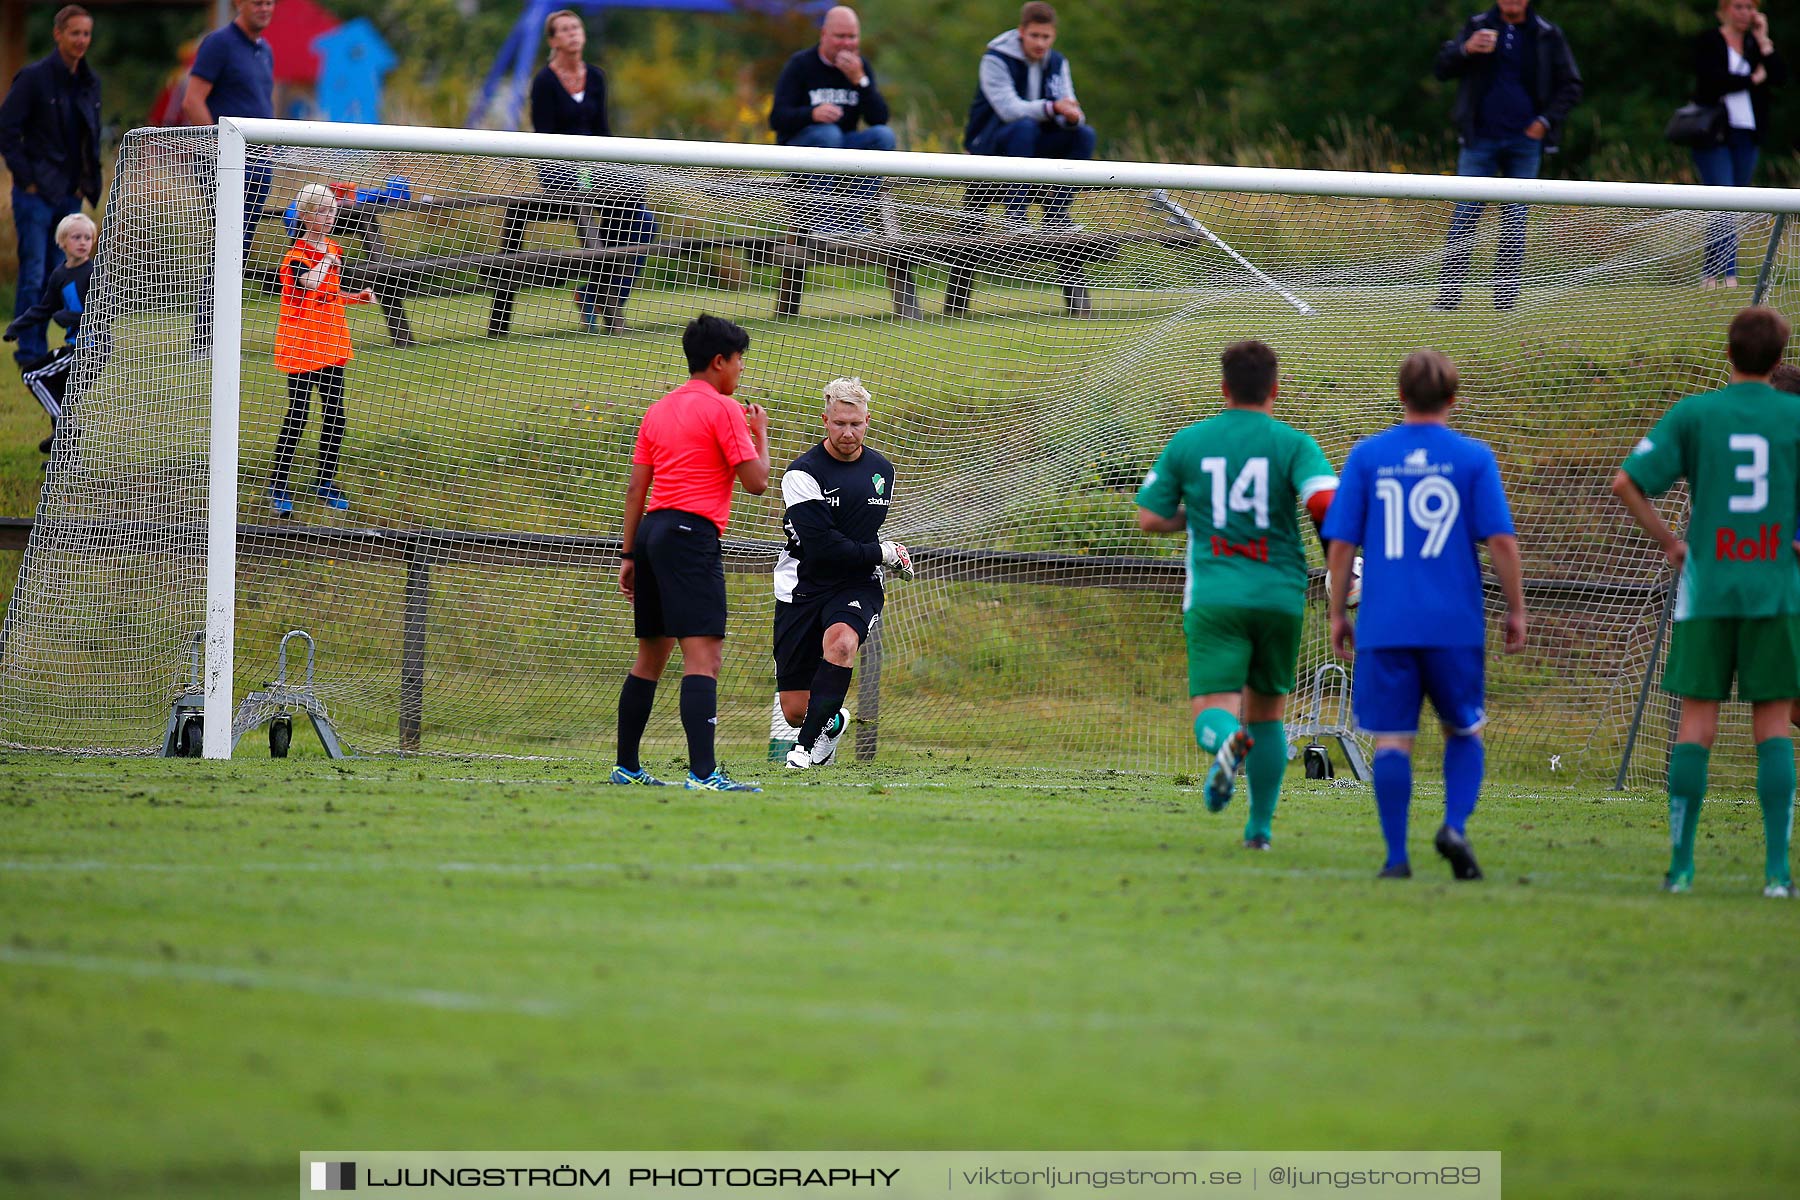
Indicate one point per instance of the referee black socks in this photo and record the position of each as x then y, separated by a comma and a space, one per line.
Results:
635, 699
830, 684
700, 718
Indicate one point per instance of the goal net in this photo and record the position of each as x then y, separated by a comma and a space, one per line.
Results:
531, 292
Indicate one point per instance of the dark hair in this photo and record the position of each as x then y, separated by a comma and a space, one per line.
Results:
1785, 378
67, 13
1756, 339
1036, 12
707, 337
1428, 381
1249, 369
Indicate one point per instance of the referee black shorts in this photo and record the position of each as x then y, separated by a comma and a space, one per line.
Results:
800, 627
680, 589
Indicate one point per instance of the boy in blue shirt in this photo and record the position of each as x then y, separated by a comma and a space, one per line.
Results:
1419, 499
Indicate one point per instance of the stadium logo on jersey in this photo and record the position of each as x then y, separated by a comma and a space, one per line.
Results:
1257, 550
880, 484
1764, 547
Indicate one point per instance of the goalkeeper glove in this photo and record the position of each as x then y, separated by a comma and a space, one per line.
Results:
894, 555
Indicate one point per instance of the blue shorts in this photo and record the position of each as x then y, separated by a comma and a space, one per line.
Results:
1392, 682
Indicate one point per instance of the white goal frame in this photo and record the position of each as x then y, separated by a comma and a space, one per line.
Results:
235, 136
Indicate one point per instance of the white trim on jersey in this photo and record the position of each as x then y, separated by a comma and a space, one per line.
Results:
787, 576
1318, 483
797, 487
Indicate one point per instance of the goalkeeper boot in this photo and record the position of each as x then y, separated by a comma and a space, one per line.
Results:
719, 781
1223, 775
1256, 842
1678, 883
640, 777
825, 746
1458, 853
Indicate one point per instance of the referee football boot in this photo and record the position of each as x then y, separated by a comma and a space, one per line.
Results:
1398, 871
719, 781
1458, 853
640, 777
1221, 778
1678, 883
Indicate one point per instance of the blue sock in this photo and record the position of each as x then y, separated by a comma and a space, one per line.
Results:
1464, 758
1393, 796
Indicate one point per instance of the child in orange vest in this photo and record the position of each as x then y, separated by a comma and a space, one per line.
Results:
312, 344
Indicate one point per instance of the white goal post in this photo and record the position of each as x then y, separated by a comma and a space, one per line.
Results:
1335, 268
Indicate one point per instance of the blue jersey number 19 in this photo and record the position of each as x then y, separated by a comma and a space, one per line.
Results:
1433, 507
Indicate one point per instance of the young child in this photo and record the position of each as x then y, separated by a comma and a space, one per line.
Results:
64, 299
312, 346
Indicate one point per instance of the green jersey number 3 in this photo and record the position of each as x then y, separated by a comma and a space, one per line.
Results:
1755, 472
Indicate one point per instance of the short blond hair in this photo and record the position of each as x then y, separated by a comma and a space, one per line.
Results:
551, 20
847, 391
74, 221
314, 197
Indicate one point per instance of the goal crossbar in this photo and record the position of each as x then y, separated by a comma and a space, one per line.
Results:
992, 169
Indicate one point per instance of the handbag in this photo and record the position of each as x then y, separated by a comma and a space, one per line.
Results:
1699, 126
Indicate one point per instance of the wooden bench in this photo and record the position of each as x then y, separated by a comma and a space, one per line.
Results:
980, 242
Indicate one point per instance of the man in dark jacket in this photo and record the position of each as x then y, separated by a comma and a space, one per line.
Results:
825, 91
1025, 107
1516, 83
50, 137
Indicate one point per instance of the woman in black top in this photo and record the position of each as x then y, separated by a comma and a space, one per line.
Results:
1734, 65
569, 96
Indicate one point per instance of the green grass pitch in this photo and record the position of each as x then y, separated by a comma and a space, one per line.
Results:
208, 967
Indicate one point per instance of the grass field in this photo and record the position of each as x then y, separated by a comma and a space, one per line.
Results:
208, 967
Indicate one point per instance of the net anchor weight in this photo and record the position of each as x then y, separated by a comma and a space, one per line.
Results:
1333, 679
274, 702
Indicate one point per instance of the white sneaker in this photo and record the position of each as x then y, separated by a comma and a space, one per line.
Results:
1779, 891
825, 747
799, 758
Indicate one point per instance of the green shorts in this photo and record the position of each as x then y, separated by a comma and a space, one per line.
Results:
1234, 648
1762, 652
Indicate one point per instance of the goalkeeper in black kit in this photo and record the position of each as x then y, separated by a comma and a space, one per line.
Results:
828, 580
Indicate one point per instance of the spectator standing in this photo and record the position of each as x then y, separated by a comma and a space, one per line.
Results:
569, 96
50, 137
825, 91
1516, 84
233, 76
1734, 65
1025, 107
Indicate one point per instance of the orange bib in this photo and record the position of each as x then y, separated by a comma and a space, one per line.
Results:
312, 331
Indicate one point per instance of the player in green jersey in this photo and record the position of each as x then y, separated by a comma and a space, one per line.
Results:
1230, 483
1737, 602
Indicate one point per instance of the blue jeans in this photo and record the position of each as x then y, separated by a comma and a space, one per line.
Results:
36, 217
1516, 157
831, 137
1031, 138
1731, 164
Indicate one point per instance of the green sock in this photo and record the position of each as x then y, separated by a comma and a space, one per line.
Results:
1775, 792
1212, 727
1264, 769
1687, 788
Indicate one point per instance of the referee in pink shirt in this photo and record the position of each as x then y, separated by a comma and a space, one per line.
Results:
691, 444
